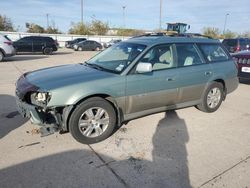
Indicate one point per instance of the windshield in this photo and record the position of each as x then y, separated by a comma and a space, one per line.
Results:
116, 58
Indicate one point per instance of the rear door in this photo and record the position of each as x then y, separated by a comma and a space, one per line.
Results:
38, 43
159, 88
194, 72
222, 65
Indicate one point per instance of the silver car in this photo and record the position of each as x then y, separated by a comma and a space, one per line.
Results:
6, 47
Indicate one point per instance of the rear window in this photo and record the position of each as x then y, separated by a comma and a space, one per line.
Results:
213, 52
48, 39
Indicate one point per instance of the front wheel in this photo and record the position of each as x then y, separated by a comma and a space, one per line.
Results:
92, 121
212, 98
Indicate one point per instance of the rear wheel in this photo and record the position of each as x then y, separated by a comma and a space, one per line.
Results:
80, 48
212, 98
92, 121
47, 51
1, 56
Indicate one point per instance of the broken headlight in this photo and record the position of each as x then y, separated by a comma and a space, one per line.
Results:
40, 98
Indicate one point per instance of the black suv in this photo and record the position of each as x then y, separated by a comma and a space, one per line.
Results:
46, 45
70, 43
236, 45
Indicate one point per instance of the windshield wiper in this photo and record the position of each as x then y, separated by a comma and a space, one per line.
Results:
98, 67
95, 66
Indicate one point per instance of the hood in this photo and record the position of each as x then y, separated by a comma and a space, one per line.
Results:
60, 76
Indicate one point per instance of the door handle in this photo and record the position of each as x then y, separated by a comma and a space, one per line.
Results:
208, 73
170, 79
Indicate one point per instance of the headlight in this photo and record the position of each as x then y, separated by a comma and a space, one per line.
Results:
40, 98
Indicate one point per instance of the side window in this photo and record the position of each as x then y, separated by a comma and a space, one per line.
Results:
161, 57
25, 39
214, 52
187, 55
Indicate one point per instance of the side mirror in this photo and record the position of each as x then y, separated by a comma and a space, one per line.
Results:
144, 67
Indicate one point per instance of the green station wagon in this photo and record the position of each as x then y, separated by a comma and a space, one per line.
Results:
131, 79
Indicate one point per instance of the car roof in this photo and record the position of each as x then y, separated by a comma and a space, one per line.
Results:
153, 40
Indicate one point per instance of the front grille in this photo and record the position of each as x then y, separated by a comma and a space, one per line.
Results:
243, 60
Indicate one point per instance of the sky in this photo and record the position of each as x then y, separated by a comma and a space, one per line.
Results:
139, 14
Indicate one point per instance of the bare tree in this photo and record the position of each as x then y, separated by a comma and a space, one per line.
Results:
211, 32
6, 24
34, 28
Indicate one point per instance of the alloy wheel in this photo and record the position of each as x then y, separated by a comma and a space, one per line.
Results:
93, 122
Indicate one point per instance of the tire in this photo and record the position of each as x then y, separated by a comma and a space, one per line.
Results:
215, 92
97, 49
1, 56
80, 48
47, 51
89, 130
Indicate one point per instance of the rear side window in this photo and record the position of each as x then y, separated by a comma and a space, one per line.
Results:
187, 55
214, 52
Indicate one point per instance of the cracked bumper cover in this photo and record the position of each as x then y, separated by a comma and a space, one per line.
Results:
30, 111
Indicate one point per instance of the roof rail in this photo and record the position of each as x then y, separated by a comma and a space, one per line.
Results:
190, 35
151, 35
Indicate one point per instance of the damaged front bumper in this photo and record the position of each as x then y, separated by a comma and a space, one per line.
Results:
29, 111
49, 120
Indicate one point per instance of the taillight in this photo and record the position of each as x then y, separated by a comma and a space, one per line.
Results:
8, 42
237, 49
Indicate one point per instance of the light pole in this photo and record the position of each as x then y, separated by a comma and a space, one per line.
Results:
123, 15
47, 16
81, 11
160, 15
225, 23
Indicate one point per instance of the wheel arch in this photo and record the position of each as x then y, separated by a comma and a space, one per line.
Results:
67, 112
2, 50
222, 81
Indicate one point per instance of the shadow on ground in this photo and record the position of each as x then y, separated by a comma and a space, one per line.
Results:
10, 119
63, 53
83, 168
25, 57
245, 81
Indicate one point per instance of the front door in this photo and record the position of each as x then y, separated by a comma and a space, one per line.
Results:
155, 89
